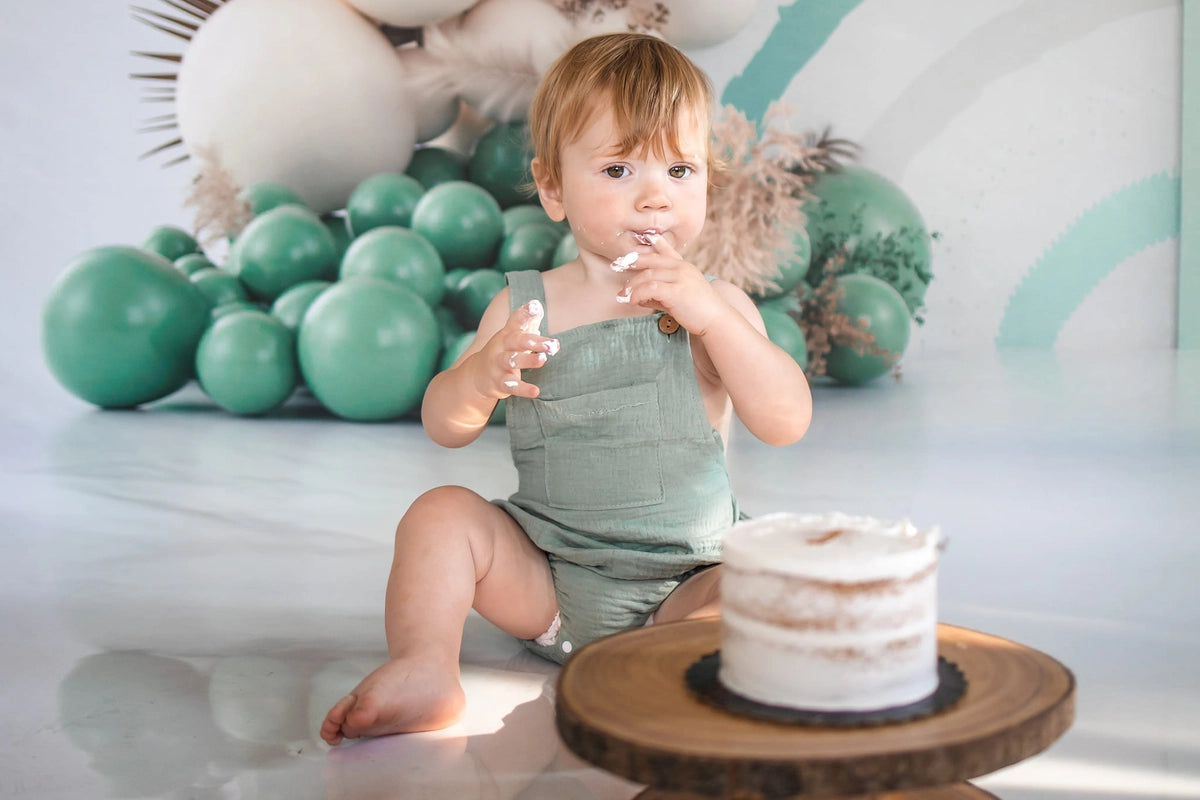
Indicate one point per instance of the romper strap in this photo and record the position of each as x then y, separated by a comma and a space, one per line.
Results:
524, 286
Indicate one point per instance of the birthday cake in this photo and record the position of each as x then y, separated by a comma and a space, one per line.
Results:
829, 612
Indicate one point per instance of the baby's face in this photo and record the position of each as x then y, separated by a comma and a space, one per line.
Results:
613, 200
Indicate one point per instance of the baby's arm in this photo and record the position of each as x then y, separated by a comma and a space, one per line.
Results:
460, 401
767, 388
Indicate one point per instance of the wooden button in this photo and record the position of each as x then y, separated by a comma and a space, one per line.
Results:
667, 324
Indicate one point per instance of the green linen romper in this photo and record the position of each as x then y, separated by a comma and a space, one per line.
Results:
622, 481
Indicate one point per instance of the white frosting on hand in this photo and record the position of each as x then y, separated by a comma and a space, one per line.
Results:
622, 263
537, 313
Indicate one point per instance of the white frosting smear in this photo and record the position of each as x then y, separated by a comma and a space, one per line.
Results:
536, 313
622, 263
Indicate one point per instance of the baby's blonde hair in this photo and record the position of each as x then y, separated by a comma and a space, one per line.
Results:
648, 81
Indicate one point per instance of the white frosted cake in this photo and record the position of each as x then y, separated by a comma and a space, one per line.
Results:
829, 612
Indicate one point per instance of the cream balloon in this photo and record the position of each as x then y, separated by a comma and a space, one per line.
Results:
464, 134
411, 13
495, 54
435, 106
703, 23
686, 23
307, 93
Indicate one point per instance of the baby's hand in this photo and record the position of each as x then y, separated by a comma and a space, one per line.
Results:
663, 280
515, 347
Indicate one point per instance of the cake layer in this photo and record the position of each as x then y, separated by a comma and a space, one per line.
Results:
820, 671
808, 604
831, 547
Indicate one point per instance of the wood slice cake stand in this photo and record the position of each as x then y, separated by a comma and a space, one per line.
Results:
623, 704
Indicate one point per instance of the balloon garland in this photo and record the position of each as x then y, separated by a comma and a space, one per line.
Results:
353, 222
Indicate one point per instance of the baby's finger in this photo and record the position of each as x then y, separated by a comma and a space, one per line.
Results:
517, 388
660, 245
529, 316
539, 344
519, 360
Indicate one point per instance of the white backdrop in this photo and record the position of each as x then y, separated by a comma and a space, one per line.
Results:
1011, 124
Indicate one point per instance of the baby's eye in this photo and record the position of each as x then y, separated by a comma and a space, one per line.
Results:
680, 171
616, 171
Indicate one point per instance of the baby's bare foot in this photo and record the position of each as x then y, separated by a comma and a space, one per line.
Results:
402, 696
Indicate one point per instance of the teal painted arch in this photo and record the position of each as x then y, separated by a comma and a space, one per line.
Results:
1114, 229
802, 29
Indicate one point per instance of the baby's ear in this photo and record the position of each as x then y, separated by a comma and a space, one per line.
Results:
549, 192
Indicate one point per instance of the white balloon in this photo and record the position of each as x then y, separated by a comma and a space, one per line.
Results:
499, 51
436, 107
703, 23
466, 131
689, 23
307, 93
411, 13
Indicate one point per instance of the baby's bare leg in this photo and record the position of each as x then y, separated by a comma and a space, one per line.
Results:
697, 597
454, 550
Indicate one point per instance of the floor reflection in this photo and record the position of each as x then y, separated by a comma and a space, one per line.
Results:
244, 726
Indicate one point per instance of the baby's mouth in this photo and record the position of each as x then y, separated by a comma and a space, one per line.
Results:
647, 237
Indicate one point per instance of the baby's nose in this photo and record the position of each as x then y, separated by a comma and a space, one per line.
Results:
653, 195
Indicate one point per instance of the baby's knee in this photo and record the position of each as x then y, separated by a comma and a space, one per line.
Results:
438, 508
445, 499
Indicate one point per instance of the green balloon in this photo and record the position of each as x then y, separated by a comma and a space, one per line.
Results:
500, 163
866, 217
887, 317
788, 304
454, 349
290, 307
447, 325
785, 332
170, 242
463, 222
434, 165
338, 226
567, 250
266, 195
219, 286
232, 306
193, 263
401, 255
454, 279
387, 198
531, 246
246, 362
473, 295
791, 273
283, 247
120, 327
368, 348
516, 216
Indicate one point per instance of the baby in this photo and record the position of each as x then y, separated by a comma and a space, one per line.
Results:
621, 372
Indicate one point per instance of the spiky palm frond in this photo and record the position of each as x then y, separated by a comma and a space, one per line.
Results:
182, 25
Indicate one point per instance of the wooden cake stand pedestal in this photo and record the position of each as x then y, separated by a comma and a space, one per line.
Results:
624, 705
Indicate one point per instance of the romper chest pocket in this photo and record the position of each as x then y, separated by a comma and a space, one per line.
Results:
602, 449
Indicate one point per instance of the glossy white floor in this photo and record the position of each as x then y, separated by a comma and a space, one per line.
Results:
185, 592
